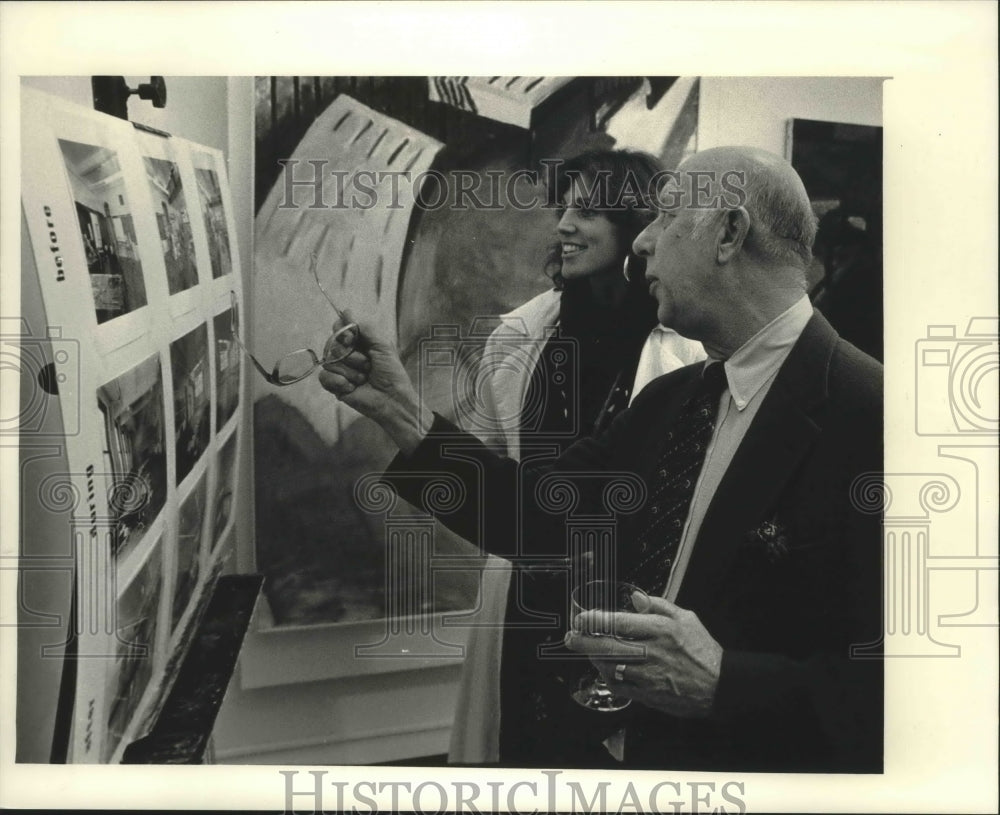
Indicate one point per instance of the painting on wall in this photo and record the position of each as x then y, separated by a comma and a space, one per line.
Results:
841, 167
414, 269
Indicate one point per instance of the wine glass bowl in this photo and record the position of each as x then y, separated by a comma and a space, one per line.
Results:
591, 691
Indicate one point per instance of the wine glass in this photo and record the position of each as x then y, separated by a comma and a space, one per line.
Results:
592, 692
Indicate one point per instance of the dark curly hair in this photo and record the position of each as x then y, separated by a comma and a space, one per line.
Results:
620, 183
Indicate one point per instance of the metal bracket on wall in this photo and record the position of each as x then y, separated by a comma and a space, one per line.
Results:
111, 94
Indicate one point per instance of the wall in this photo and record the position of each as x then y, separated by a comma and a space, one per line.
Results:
196, 105
755, 110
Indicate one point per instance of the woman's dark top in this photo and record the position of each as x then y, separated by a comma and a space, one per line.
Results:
582, 380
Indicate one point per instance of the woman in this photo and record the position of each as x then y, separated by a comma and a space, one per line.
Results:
558, 368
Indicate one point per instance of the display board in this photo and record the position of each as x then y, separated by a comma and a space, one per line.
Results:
131, 232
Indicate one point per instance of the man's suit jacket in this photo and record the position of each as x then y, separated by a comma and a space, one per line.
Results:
785, 573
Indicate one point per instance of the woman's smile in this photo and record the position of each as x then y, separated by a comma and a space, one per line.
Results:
588, 240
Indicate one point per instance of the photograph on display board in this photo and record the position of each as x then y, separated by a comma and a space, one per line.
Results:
106, 229
135, 650
210, 195
227, 367
173, 223
189, 534
135, 447
224, 489
189, 364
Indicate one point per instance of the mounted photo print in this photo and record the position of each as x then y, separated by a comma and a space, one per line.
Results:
216, 228
173, 223
224, 489
190, 523
106, 228
189, 364
137, 613
135, 444
227, 367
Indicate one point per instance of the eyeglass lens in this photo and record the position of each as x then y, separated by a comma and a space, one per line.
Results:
297, 365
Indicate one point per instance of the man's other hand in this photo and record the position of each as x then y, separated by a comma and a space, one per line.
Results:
671, 661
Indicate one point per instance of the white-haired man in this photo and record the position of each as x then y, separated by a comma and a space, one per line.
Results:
758, 649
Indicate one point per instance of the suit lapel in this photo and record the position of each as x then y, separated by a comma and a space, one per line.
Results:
781, 434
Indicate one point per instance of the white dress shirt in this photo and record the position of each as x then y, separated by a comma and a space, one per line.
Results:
750, 372
664, 351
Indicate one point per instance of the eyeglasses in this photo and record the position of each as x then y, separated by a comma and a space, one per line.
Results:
297, 365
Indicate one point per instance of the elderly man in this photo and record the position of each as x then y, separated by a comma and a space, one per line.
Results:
758, 647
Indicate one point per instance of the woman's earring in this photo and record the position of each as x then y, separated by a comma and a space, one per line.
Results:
625, 271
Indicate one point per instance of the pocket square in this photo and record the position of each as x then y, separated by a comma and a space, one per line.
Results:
771, 538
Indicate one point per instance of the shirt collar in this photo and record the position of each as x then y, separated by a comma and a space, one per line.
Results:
662, 329
759, 358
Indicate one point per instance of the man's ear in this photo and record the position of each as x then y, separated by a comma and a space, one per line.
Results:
735, 228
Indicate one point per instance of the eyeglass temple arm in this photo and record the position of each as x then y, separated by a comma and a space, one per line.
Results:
271, 377
312, 268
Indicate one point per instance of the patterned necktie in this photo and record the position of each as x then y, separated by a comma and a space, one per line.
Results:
673, 484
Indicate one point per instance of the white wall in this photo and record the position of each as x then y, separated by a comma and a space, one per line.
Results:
74, 89
196, 105
755, 110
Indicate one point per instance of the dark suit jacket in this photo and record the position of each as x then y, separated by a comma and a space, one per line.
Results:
785, 573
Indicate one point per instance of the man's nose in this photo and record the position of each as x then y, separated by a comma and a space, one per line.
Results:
643, 243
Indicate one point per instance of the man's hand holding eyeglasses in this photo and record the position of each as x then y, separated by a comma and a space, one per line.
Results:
372, 380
